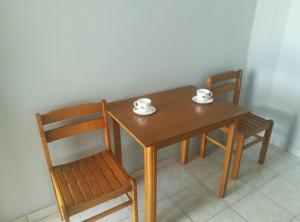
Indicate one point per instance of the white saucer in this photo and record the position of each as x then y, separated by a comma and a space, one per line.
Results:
208, 101
149, 111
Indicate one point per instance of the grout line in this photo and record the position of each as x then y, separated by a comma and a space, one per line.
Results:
238, 214
216, 214
210, 191
184, 213
275, 202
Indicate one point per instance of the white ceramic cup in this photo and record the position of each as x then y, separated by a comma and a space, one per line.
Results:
143, 104
204, 94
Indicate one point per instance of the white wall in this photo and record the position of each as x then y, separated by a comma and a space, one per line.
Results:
265, 45
286, 92
56, 53
274, 68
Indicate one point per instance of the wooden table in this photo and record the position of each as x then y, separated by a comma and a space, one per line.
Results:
177, 119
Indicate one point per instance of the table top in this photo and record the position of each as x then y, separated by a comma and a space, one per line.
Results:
176, 118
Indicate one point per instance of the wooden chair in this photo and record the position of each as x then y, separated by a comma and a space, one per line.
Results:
249, 126
90, 181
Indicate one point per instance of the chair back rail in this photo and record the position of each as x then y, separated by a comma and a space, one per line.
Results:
219, 84
73, 129
71, 112
76, 127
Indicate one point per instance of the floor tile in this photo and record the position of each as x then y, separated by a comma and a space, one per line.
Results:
284, 193
140, 190
201, 168
280, 162
254, 173
198, 202
217, 155
236, 190
257, 208
227, 216
174, 178
167, 211
283, 151
116, 216
276, 160
293, 175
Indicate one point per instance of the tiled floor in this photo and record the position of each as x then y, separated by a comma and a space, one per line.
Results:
268, 193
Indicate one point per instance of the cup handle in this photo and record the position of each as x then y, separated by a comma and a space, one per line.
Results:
135, 104
210, 94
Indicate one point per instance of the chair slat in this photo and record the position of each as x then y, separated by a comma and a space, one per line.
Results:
71, 112
224, 88
107, 172
251, 124
105, 186
248, 124
225, 76
254, 121
91, 178
68, 198
73, 129
82, 181
73, 185
258, 120
119, 173
244, 131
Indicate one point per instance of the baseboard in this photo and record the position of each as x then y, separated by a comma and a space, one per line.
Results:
21, 219
39, 214
44, 212
47, 211
280, 144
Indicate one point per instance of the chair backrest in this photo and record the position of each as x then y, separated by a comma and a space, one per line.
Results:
226, 82
75, 114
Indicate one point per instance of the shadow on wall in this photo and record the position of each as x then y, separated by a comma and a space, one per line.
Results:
285, 124
285, 121
247, 90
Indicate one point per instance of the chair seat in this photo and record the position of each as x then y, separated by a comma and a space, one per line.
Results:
250, 125
92, 180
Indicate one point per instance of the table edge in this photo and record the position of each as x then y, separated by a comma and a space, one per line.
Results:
178, 138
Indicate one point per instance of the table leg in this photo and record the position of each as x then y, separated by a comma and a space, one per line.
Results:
227, 159
117, 140
184, 151
150, 178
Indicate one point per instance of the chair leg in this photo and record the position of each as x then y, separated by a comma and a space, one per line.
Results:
184, 151
134, 208
265, 144
61, 214
65, 217
202, 145
238, 156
